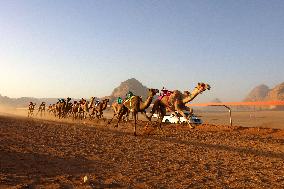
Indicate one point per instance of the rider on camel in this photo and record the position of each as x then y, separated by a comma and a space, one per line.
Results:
129, 95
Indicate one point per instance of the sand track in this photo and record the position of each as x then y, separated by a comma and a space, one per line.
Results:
38, 153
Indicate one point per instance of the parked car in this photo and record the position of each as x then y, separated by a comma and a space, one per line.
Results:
172, 118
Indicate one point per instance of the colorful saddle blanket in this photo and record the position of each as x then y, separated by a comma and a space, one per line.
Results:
165, 93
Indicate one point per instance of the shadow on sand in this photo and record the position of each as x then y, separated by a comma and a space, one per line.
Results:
30, 170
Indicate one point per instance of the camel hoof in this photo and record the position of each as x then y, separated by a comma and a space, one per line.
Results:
135, 134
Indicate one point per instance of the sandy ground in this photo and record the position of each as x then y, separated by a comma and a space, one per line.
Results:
264, 119
37, 153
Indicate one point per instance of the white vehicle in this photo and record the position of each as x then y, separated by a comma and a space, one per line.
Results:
172, 118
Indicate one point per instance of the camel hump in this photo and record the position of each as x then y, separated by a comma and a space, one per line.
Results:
129, 99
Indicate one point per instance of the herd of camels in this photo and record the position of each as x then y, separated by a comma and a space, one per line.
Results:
172, 101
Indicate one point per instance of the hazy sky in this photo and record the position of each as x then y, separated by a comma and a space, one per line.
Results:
56, 48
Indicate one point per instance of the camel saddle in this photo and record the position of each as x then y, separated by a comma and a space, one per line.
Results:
165, 94
129, 99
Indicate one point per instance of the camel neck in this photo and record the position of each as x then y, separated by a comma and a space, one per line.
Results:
92, 102
190, 97
104, 105
146, 104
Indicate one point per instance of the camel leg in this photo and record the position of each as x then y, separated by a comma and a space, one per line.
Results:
154, 109
144, 114
190, 110
121, 112
111, 118
183, 115
135, 114
162, 114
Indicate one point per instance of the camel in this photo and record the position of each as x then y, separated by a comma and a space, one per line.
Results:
68, 109
41, 109
175, 102
98, 110
61, 107
75, 109
84, 107
52, 109
116, 108
91, 104
31, 109
135, 105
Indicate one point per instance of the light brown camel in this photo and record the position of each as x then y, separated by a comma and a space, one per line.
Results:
116, 108
75, 109
135, 105
176, 101
98, 110
52, 109
84, 108
31, 109
41, 109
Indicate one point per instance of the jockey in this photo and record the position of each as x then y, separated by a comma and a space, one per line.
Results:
31, 106
82, 101
42, 106
129, 95
97, 102
119, 100
61, 100
164, 91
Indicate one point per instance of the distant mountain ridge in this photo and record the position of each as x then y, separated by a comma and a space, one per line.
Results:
132, 85
259, 93
263, 93
24, 101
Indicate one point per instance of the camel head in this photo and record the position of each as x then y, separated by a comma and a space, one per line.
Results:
152, 92
202, 87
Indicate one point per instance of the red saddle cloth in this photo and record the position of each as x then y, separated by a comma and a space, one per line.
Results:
165, 93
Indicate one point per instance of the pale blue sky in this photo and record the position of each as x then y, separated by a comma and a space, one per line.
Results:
56, 48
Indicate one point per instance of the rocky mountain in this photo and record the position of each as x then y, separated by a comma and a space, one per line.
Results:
132, 85
277, 93
263, 93
258, 93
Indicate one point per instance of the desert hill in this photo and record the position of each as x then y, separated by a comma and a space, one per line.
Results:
277, 93
263, 93
23, 101
258, 93
129, 85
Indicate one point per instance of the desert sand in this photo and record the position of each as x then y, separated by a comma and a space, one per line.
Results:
39, 153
